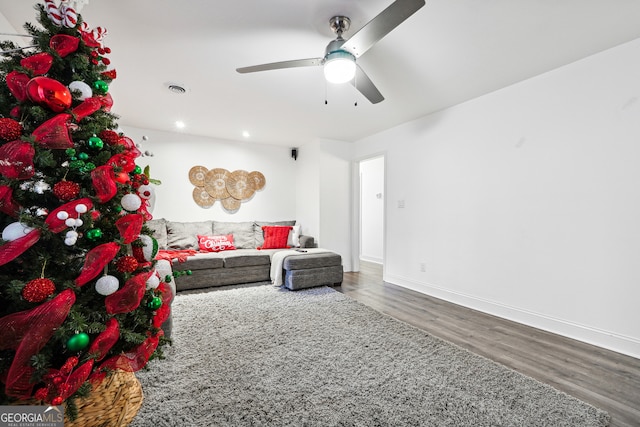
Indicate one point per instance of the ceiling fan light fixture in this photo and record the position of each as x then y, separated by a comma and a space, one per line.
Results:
339, 66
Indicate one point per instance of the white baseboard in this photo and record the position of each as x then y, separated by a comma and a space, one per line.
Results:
371, 259
601, 338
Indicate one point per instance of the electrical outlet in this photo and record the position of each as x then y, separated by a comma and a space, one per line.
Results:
401, 204
423, 267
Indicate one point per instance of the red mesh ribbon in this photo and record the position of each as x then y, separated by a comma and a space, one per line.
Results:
88, 107
57, 225
76, 379
38, 64
28, 332
16, 160
107, 338
104, 183
7, 204
17, 83
129, 146
123, 161
144, 210
136, 358
162, 314
96, 259
128, 298
130, 227
54, 133
13, 249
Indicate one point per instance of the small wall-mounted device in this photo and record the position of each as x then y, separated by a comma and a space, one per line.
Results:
294, 153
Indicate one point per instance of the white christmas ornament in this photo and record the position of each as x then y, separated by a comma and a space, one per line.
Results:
62, 215
84, 89
81, 208
106, 285
145, 191
14, 231
153, 281
131, 202
149, 247
70, 222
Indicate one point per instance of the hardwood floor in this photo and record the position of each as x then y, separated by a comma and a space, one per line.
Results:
603, 378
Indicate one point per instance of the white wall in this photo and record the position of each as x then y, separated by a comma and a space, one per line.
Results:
175, 154
335, 198
525, 203
372, 209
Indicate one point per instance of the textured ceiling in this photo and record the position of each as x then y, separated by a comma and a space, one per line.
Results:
450, 51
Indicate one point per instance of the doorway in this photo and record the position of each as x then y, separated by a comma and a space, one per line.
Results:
372, 196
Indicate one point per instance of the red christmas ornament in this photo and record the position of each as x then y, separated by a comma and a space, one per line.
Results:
49, 92
17, 83
10, 129
110, 137
15, 112
127, 264
64, 44
39, 63
66, 190
109, 74
38, 290
41, 393
56, 401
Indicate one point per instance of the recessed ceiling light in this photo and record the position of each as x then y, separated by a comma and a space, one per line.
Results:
246, 134
180, 124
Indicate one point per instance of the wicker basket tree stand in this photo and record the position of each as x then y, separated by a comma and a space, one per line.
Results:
112, 403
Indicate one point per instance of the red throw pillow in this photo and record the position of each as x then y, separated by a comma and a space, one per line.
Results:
275, 236
216, 243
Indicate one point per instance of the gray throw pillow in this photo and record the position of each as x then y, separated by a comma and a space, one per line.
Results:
159, 229
242, 233
183, 235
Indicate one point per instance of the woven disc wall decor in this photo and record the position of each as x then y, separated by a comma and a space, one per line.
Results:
240, 186
230, 204
231, 188
197, 175
202, 197
258, 180
215, 182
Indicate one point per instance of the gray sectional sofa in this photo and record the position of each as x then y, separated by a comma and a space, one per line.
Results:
246, 263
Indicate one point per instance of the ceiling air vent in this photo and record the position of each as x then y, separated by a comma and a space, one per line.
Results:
176, 88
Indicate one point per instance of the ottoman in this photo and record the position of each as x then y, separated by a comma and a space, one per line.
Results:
312, 269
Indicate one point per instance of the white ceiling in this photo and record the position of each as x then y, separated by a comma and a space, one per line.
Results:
450, 51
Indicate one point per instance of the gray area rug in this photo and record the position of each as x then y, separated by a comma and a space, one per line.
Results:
262, 356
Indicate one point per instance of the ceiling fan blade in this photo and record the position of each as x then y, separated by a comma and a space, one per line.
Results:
381, 25
365, 86
279, 65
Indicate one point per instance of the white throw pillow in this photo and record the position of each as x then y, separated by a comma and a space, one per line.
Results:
294, 237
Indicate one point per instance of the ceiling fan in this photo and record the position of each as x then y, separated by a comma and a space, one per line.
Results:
339, 60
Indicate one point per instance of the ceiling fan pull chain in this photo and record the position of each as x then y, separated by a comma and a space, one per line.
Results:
355, 84
325, 93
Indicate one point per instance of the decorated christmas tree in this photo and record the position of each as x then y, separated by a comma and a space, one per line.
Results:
79, 293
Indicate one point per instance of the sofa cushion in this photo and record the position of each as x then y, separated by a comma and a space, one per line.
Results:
259, 234
159, 229
240, 259
201, 261
183, 235
243, 235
